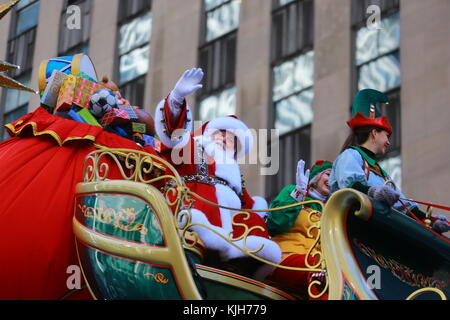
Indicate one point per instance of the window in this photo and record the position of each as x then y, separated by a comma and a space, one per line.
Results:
377, 66
16, 102
222, 17
292, 59
20, 51
133, 48
292, 28
218, 105
217, 56
292, 92
27, 16
377, 55
74, 40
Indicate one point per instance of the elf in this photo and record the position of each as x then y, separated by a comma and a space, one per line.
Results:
356, 167
290, 227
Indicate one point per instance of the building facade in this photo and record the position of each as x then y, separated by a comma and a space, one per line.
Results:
290, 65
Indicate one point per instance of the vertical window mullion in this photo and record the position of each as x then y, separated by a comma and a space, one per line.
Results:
277, 39
301, 30
292, 27
216, 65
308, 27
284, 33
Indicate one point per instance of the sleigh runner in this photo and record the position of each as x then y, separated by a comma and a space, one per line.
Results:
134, 242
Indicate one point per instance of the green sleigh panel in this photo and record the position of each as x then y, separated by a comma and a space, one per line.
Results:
128, 250
363, 239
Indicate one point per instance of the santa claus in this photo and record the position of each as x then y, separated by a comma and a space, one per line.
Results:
207, 161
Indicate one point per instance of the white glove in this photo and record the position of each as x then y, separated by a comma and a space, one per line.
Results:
301, 181
188, 83
384, 194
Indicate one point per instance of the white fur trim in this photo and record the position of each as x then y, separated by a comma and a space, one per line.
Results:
230, 173
209, 238
164, 137
270, 250
228, 198
226, 167
235, 126
260, 204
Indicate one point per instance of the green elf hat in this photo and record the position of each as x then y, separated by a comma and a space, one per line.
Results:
366, 110
319, 167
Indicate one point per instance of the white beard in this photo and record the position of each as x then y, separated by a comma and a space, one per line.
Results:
227, 167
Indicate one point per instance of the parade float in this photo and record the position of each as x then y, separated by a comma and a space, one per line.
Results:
132, 245
84, 184
124, 216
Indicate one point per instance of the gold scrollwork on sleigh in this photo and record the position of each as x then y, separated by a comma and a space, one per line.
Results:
138, 166
132, 165
314, 254
158, 277
122, 219
418, 292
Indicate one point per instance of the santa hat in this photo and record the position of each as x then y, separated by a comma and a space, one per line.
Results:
365, 110
235, 126
316, 170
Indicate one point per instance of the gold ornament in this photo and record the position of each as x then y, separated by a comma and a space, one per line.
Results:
6, 81
5, 8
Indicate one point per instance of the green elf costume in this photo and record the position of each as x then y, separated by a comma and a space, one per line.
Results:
357, 168
289, 227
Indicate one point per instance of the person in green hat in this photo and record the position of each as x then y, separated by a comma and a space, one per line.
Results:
356, 166
289, 227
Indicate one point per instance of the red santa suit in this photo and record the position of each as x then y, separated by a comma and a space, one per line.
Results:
214, 174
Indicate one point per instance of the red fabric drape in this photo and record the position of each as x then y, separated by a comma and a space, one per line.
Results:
39, 170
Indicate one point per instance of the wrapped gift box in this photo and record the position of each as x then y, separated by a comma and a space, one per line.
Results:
152, 141
66, 94
51, 92
120, 131
75, 90
130, 111
86, 76
88, 117
75, 116
83, 92
138, 127
114, 116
